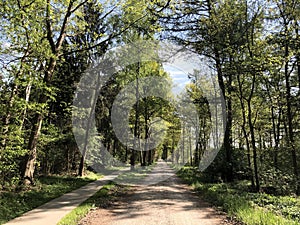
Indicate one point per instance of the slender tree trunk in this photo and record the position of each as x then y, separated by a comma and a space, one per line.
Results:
89, 125
228, 138
8, 114
298, 55
81, 166
227, 114
126, 150
290, 133
276, 134
245, 131
27, 96
31, 157
173, 145
183, 144
29, 169
136, 122
190, 146
146, 131
68, 159
254, 149
252, 134
197, 154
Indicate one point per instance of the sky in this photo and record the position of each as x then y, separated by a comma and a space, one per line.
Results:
179, 78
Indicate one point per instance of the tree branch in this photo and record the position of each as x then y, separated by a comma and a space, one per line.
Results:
49, 28
78, 6
64, 27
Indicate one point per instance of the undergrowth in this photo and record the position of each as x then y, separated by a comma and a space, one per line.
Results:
249, 208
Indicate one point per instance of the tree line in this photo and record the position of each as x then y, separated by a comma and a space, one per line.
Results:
251, 47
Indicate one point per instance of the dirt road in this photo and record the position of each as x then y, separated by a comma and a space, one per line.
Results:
169, 202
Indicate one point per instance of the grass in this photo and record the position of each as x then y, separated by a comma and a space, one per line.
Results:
15, 203
249, 208
102, 199
135, 176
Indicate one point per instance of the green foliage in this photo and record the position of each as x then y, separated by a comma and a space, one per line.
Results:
278, 182
249, 208
286, 206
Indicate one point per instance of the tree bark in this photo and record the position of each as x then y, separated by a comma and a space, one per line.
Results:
241, 98
28, 174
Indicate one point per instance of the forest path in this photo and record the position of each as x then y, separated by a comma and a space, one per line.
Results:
53, 211
169, 202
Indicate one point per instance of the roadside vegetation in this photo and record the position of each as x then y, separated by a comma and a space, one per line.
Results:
16, 201
247, 207
102, 199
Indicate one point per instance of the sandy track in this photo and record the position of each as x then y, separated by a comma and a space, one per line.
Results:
169, 202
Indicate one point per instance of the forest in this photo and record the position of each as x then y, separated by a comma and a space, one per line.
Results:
252, 50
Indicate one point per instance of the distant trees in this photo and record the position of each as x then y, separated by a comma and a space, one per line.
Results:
252, 48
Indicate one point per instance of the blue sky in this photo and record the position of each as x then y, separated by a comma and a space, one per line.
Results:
179, 78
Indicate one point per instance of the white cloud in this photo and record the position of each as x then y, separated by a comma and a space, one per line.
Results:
179, 78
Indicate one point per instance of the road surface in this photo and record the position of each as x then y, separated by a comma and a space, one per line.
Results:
169, 202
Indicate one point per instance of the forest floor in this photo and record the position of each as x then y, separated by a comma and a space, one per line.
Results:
169, 202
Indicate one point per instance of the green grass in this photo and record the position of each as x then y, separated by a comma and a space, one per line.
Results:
249, 208
135, 176
102, 199
15, 203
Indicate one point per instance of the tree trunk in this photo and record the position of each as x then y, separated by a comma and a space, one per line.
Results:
197, 154
136, 122
245, 131
28, 174
89, 125
28, 171
183, 144
173, 146
276, 134
8, 115
27, 96
190, 146
146, 130
290, 133
252, 134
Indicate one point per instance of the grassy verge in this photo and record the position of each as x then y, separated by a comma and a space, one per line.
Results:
249, 208
15, 203
102, 199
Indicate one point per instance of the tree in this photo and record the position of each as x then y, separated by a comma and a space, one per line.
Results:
216, 30
44, 43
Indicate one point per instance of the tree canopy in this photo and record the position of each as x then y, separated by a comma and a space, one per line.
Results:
250, 49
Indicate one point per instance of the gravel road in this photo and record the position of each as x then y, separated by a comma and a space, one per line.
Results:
169, 202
